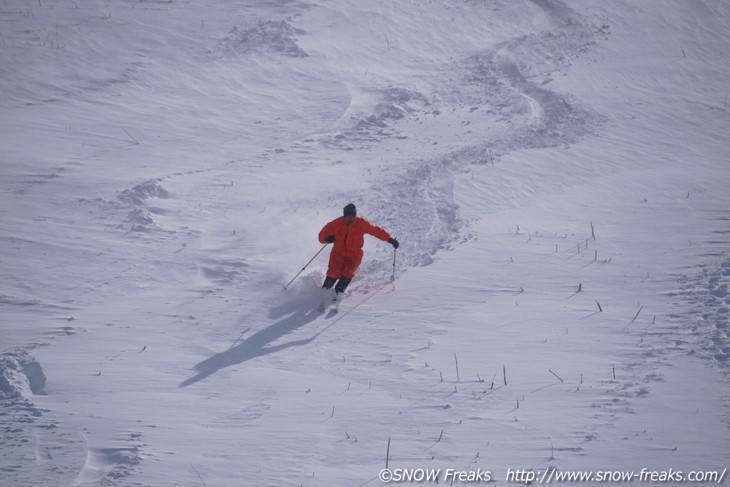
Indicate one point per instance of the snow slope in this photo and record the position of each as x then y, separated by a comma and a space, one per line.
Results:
556, 173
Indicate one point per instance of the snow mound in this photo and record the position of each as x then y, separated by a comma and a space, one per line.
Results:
396, 103
20, 375
107, 466
140, 193
140, 217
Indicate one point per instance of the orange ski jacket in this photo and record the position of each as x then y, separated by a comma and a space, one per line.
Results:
349, 239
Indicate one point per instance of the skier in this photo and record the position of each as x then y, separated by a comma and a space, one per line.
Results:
347, 234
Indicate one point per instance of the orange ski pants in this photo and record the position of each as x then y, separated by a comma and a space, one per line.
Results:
341, 265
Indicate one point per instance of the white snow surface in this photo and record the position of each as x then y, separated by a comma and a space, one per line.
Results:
557, 173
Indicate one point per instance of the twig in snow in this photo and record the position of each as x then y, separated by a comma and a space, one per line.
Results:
504, 374
456, 361
634, 319
578, 290
593, 231
387, 454
556, 375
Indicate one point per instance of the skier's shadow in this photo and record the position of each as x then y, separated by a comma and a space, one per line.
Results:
294, 314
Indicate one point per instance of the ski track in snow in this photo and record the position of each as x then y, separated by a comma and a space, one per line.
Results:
151, 227
492, 88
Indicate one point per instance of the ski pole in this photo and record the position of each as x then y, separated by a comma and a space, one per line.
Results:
305, 266
392, 278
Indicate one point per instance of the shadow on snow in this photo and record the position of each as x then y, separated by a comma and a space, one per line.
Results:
296, 313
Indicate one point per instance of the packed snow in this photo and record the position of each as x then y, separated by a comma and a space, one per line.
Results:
556, 172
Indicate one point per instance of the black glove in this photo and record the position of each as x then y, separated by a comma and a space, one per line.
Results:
394, 243
330, 239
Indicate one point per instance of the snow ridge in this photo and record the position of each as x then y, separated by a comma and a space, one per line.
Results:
266, 36
709, 317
